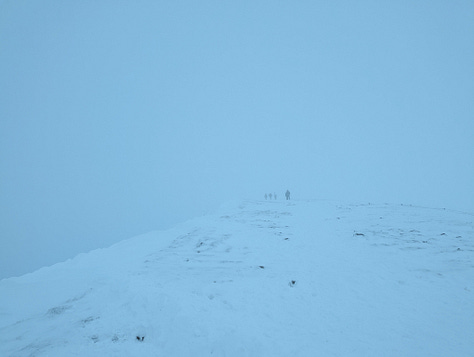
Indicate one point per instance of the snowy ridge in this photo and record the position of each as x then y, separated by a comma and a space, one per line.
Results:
274, 278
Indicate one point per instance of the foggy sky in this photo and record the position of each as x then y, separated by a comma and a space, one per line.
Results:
122, 117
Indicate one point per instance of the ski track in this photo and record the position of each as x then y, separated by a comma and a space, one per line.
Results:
265, 278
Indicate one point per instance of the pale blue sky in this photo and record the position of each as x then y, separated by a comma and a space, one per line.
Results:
120, 117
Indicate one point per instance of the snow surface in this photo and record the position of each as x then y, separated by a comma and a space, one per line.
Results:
272, 278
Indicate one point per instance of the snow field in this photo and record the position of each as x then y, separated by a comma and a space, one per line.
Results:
273, 278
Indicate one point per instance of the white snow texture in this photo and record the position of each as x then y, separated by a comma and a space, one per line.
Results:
271, 278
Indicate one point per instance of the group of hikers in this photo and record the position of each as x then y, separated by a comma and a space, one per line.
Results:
270, 196
274, 195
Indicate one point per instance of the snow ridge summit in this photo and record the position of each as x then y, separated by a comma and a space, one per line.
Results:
259, 278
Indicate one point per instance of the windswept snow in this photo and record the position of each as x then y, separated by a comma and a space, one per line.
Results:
274, 278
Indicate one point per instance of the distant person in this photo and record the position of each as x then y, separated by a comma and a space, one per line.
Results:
270, 195
266, 196
287, 194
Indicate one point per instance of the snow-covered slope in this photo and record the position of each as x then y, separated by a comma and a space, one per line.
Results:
273, 278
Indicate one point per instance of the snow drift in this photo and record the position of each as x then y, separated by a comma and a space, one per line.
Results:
273, 278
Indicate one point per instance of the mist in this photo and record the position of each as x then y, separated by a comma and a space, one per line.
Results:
119, 118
